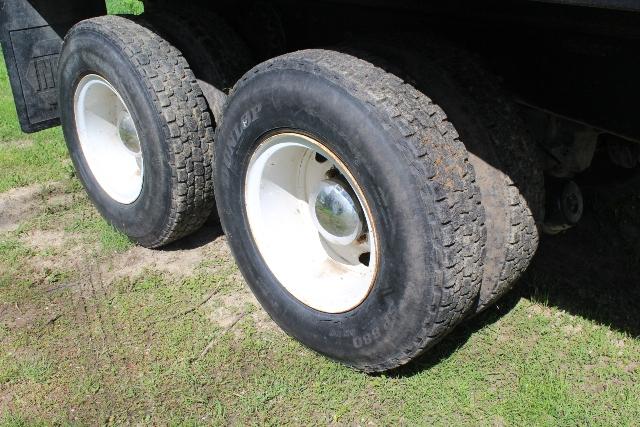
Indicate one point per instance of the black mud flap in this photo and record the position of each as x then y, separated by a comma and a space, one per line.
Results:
32, 32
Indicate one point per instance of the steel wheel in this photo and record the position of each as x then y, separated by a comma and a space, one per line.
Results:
109, 139
311, 222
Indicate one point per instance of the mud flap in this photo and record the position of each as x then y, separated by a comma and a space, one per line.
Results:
31, 32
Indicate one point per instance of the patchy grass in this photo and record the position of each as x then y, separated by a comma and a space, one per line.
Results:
13, 420
16, 370
92, 225
141, 360
94, 330
27, 159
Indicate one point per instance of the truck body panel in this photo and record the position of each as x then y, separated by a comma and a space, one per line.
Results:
573, 58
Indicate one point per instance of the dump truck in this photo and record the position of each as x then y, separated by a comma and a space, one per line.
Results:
382, 170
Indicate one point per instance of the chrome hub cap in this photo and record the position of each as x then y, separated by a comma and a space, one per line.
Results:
336, 212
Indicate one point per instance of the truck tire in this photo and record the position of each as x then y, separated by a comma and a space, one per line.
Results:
350, 206
504, 155
508, 166
138, 129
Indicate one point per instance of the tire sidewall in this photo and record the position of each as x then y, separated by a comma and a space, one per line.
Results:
409, 265
90, 52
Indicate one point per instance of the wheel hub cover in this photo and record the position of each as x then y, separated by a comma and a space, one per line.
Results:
128, 133
336, 214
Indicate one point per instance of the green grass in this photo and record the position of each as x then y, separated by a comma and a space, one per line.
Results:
12, 420
81, 347
17, 369
26, 159
125, 7
40, 157
95, 228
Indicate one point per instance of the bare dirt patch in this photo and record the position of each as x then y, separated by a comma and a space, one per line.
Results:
17, 205
41, 240
226, 309
205, 252
180, 259
59, 200
57, 255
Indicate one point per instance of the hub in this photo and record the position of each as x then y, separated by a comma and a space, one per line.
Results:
336, 212
128, 133
565, 206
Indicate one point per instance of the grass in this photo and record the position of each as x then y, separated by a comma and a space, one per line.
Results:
125, 7
27, 159
96, 331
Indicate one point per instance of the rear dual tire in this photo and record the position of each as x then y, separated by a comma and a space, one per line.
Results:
504, 154
414, 179
156, 87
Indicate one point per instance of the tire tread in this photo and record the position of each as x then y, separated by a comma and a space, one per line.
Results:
437, 158
183, 113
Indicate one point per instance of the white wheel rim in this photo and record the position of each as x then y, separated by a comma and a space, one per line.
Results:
109, 139
283, 174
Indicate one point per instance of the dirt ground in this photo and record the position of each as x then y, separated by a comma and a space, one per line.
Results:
89, 273
97, 330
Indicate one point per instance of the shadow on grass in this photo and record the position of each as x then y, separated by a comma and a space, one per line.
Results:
209, 232
458, 337
591, 271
